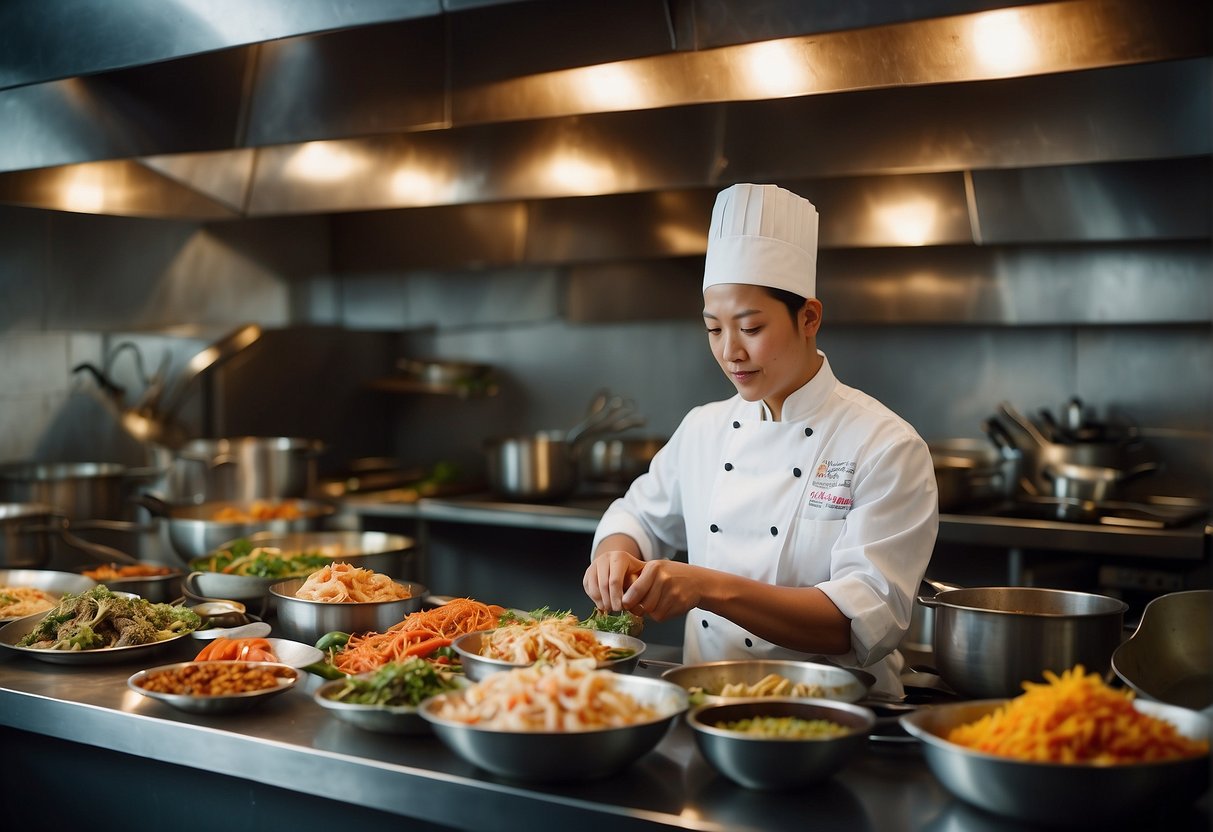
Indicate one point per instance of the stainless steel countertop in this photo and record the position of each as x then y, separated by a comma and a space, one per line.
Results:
1189, 542
292, 743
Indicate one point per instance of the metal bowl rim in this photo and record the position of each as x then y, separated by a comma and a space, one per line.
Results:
866, 715
277, 590
353, 707
940, 599
425, 710
630, 642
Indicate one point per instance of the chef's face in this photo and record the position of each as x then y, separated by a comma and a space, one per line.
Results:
764, 352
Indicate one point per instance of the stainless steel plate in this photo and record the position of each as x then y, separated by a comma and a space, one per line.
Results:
14, 631
215, 704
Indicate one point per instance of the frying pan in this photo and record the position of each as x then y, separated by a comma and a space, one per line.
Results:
1168, 657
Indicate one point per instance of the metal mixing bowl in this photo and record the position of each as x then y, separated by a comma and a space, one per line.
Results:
304, 620
563, 756
379, 552
837, 683
477, 667
771, 763
1059, 794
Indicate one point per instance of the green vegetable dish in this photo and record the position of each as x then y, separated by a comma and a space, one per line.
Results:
786, 727
99, 618
245, 558
406, 683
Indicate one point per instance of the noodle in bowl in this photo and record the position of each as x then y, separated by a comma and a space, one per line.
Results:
609, 651
603, 721
305, 620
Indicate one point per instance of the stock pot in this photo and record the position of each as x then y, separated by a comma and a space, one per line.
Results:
538, 466
988, 641
243, 468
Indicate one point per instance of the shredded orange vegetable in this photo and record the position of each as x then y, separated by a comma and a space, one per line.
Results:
419, 634
1075, 718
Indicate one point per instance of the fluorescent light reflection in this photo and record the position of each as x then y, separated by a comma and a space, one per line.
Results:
611, 87
774, 68
574, 173
1003, 43
324, 162
418, 186
909, 223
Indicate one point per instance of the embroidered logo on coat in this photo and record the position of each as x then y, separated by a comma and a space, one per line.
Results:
831, 486
833, 474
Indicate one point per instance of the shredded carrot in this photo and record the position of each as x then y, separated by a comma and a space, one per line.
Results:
419, 634
1075, 718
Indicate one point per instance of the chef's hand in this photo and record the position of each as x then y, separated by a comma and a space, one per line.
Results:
611, 572
665, 589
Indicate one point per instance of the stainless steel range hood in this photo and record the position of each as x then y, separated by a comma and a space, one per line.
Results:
532, 121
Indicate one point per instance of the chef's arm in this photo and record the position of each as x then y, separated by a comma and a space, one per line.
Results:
798, 618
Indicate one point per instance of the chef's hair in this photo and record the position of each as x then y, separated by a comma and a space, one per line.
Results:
791, 300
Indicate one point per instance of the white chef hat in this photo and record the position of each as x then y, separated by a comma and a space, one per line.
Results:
763, 235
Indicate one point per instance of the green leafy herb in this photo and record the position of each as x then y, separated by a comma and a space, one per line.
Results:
397, 683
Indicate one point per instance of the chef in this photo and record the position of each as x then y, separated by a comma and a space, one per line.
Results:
807, 509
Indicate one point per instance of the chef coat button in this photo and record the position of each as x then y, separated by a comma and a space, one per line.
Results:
704, 623
737, 424
728, 466
795, 472
714, 528
808, 431
749, 642
774, 531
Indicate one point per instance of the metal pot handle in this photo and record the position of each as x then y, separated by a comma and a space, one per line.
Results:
939, 586
105, 554
157, 506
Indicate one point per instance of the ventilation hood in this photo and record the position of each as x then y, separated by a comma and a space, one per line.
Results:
525, 123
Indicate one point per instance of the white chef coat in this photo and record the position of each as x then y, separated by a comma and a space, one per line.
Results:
839, 495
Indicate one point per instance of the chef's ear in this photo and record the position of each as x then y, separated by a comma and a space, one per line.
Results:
809, 317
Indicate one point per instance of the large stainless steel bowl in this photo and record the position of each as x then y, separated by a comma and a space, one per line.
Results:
194, 531
988, 641
304, 620
1059, 794
1169, 658
836, 683
772, 763
563, 756
385, 553
478, 667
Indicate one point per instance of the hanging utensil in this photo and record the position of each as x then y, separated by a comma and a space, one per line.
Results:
1025, 424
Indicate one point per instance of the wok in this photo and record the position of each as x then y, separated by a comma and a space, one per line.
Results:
1169, 657
194, 531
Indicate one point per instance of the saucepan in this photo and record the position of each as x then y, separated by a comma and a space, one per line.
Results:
619, 460
988, 641
971, 472
538, 466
